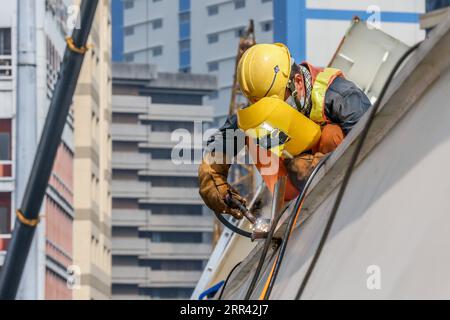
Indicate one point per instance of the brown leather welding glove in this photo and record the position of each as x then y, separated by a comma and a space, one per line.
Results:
214, 188
301, 167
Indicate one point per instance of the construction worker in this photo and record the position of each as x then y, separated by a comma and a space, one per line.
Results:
323, 96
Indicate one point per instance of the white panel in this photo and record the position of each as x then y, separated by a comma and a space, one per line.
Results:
324, 37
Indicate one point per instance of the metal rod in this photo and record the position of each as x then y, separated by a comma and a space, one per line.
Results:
22, 237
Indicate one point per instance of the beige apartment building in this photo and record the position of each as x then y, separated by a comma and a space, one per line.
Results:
92, 164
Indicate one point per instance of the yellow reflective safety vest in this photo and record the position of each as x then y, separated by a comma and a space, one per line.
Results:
278, 127
320, 87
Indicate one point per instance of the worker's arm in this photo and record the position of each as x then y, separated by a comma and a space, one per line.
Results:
222, 147
345, 104
229, 139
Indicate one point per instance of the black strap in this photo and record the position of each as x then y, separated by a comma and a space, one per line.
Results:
276, 70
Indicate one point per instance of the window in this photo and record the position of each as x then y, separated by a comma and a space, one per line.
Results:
157, 24
157, 51
125, 118
185, 5
161, 154
240, 32
213, 38
185, 70
266, 26
173, 265
185, 45
213, 66
122, 174
239, 4
129, 31
129, 4
174, 209
129, 57
166, 293
214, 95
175, 182
125, 232
125, 146
5, 139
5, 148
185, 17
5, 41
125, 289
185, 58
173, 237
125, 203
213, 10
5, 213
125, 261
170, 126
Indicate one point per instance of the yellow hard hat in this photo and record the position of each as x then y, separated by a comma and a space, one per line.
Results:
264, 70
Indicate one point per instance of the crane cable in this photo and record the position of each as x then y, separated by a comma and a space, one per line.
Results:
270, 282
266, 247
227, 279
296, 211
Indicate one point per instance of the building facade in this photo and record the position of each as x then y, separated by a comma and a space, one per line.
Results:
92, 164
51, 253
313, 29
201, 36
59, 241
161, 233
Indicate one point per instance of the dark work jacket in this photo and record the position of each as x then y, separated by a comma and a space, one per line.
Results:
345, 104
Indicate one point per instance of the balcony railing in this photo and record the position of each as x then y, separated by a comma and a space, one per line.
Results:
148, 277
145, 248
143, 190
6, 68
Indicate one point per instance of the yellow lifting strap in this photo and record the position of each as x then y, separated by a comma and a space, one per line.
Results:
72, 47
323, 81
29, 222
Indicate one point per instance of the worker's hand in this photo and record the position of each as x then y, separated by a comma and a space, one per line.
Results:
214, 188
302, 166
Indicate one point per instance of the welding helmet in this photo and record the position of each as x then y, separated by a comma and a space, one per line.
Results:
278, 127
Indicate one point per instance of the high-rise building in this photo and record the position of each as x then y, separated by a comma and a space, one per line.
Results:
202, 35
75, 214
161, 233
198, 36
313, 29
92, 164
51, 253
